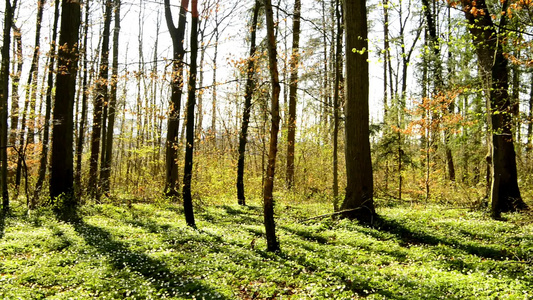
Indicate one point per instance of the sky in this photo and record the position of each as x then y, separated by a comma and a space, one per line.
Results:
145, 15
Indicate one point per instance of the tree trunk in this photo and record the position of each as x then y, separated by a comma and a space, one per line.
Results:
101, 99
15, 86
505, 192
108, 154
214, 88
172, 144
336, 103
33, 77
529, 146
268, 199
191, 102
359, 190
248, 95
293, 92
61, 179
46, 134
4, 96
83, 118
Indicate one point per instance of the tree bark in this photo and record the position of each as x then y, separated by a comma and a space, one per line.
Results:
15, 97
336, 103
505, 193
529, 146
108, 153
248, 95
293, 95
83, 118
4, 96
33, 76
46, 134
172, 145
268, 199
191, 102
359, 189
101, 99
61, 179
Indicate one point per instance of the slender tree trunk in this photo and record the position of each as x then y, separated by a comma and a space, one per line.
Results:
214, 89
386, 56
191, 102
325, 93
83, 118
529, 147
4, 96
106, 167
359, 190
61, 179
336, 103
46, 134
268, 199
293, 95
172, 144
17, 35
33, 77
100, 100
248, 95
434, 44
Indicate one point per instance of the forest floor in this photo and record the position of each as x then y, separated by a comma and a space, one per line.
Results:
147, 252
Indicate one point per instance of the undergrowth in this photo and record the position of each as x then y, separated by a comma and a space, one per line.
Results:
148, 252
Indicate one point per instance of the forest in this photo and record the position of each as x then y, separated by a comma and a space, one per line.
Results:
266, 149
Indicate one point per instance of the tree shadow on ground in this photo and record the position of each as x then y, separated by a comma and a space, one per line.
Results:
154, 271
410, 236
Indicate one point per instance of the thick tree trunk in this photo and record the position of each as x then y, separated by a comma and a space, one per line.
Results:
4, 96
172, 145
108, 153
268, 199
293, 95
46, 134
61, 179
359, 190
191, 102
248, 95
101, 99
505, 192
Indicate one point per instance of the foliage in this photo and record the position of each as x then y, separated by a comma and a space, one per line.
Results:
147, 252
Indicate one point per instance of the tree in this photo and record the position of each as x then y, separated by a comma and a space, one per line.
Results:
191, 102
108, 153
62, 169
293, 88
336, 102
505, 193
17, 35
100, 100
268, 199
46, 134
358, 202
85, 94
4, 95
172, 144
248, 94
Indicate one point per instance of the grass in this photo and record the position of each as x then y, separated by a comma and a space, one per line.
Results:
147, 252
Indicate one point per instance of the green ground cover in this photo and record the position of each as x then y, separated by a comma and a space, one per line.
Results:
147, 252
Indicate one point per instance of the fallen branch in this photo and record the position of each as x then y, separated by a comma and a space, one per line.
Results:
332, 214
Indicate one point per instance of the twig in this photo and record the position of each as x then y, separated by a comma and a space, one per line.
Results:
332, 214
